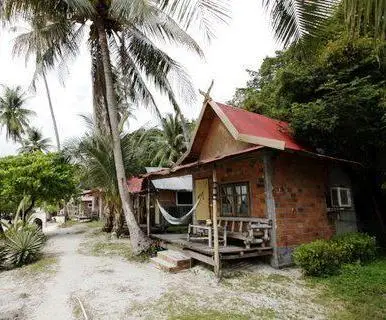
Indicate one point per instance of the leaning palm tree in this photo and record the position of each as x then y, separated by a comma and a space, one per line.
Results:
13, 116
34, 142
123, 34
46, 42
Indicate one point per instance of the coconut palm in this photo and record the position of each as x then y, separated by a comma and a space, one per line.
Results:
93, 154
293, 19
13, 117
49, 43
122, 33
166, 145
34, 142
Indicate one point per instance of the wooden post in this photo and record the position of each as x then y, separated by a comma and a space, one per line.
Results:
100, 206
215, 227
270, 204
148, 210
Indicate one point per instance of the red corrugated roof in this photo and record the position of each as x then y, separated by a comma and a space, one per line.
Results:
257, 125
135, 184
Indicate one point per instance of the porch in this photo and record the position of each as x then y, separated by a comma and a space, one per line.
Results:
201, 251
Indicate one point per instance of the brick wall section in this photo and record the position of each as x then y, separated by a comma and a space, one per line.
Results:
248, 170
299, 189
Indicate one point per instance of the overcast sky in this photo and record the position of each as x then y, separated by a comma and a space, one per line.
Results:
241, 45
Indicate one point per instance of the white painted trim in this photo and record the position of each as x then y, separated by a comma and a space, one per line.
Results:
225, 120
272, 143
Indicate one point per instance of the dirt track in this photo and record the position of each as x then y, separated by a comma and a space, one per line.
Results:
113, 288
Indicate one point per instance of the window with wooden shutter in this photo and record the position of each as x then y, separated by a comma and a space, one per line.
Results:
235, 199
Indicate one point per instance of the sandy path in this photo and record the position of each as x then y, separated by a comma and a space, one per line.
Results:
113, 288
97, 281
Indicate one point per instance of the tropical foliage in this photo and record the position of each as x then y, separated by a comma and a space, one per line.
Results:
22, 241
34, 142
293, 20
44, 178
333, 94
334, 98
14, 118
164, 146
324, 257
94, 157
38, 43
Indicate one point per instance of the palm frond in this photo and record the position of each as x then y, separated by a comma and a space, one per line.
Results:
13, 117
293, 19
160, 69
164, 28
204, 14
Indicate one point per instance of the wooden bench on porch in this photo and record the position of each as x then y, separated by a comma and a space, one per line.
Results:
248, 229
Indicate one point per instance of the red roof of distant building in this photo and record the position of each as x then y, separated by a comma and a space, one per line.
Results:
257, 125
135, 184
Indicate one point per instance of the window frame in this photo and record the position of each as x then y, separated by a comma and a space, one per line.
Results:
183, 204
234, 196
340, 204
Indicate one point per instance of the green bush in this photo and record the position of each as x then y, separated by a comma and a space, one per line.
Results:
318, 258
356, 247
325, 257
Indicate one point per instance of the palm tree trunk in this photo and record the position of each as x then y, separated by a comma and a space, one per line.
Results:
139, 241
185, 130
52, 112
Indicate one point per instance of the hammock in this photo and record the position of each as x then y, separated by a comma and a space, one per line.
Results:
177, 221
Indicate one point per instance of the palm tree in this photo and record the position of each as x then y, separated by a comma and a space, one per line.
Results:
122, 32
47, 42
166, 145
93, 154
34, 142
293, 19
13, 116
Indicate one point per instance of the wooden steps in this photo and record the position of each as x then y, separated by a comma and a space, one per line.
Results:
171, 261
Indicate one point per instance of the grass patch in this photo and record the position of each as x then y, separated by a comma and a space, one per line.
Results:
252, 282
69, 224
47, 265
261, 313
77, 311
360, 289
115, 248
176, 305
94, 224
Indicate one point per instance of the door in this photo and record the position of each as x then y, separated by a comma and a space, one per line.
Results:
201, 189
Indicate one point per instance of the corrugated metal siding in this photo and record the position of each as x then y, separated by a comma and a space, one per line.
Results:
183, 183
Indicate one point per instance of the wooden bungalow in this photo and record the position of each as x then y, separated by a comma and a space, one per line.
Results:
261, 192
174, 194
91, 204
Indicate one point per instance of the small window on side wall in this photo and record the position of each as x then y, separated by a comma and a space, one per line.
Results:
341, 197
